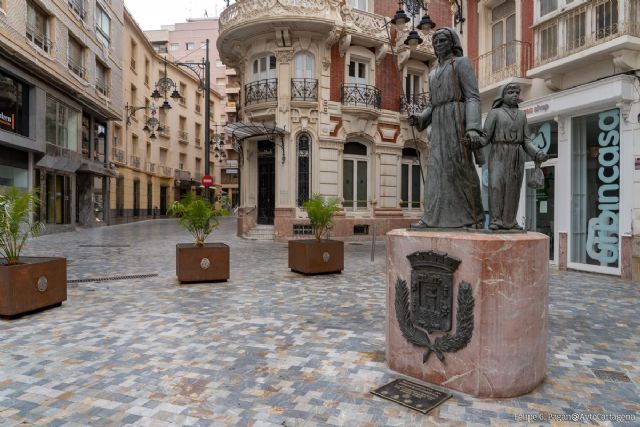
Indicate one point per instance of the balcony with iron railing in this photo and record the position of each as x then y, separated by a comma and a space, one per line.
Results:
102, 88
360, 97
304, 90
38, 38
183, 136
76, 67
135, 161
150, 167
261, 91
164, 130
580, 36
413, 104
182, 175
77, 7
118, 155
165, 171
508, 61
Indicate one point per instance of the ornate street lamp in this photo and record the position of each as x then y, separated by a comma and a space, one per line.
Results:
413, 8
203, 73
151, 125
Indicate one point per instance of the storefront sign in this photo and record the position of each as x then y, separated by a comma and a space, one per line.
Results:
539, 108
602, 231
8, 120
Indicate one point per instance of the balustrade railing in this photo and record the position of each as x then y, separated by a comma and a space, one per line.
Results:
594, 23
261, 91
511, 59
38, 38
304, 89
358, 95
414, 104
134, 161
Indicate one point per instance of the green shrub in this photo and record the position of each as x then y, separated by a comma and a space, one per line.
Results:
320, 211
197, 215
15, 222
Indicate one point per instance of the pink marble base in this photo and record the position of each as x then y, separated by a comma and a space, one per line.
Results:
509, 276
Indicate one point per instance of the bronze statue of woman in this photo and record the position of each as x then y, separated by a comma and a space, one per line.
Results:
452, 188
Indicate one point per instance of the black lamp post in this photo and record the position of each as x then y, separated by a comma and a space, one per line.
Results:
151, 125
202, 72
413, 7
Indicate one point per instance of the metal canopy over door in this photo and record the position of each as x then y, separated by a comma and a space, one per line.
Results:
266, 182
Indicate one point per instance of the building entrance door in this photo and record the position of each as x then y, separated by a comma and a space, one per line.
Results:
266, 182
163, 200
540, 205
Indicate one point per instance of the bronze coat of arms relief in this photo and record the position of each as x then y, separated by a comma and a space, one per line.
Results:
430, 307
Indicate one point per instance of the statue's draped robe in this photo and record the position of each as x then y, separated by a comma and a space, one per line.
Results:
506, 129
452, 188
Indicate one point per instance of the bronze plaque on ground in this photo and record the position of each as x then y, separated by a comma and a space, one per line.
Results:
412, 395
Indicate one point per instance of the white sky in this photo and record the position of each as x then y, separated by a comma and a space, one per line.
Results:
151, 14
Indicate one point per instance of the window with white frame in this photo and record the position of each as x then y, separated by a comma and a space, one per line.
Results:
304, 168
411, 181
355, 177
75, 5
174, 46
61, 124
606, 18
75, 57
303, 65
38, 27
413, 84
103, 25
358, 4
358, 72
574, 29
503, 34
547, 6
264, 67
190, 45
548, 41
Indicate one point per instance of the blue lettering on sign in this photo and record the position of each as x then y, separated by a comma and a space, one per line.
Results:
602, 232
543, 138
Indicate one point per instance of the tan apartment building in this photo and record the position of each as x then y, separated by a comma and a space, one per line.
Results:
185, 42
578, 62
158, 152
324, 110
60, 79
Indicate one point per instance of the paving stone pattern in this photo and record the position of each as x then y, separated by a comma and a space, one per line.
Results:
272, 347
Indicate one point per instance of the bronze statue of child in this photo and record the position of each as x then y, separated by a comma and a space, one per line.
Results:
507, 131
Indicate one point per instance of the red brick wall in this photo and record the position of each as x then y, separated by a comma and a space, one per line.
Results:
526, 23
440, 13
472, 36
337, 73
385, 7
388, 82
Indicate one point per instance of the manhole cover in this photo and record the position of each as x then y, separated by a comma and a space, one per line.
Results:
611, 376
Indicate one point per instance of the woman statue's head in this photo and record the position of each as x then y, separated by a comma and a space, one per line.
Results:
446, 42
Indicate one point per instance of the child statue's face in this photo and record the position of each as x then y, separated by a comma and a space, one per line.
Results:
511, 96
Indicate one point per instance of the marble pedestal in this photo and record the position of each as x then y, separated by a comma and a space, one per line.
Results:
508, 274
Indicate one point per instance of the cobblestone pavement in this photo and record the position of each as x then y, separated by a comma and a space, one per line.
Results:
271, 347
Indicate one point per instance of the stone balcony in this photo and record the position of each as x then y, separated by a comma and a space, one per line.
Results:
504, 64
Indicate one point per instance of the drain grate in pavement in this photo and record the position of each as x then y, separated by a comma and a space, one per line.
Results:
111, 278
104, 246
611, 376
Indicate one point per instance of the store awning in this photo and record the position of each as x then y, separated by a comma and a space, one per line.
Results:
242, 130
64, 164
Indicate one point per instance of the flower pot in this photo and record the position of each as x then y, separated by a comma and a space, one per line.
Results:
36, 283
312, 257
208, 263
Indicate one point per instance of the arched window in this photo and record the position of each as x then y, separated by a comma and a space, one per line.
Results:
304, 168
303, 65
410, 179
355, 185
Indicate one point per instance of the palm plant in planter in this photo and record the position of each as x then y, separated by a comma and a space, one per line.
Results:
26, 283
199, 261
314, 256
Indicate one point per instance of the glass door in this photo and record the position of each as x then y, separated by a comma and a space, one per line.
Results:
540, 207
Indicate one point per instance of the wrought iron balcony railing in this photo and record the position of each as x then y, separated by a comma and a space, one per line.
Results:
414, 104
261, 91
135, 161
102, 87
580, 28
358, 95
164, 130
183, 136
304, 89
76, 67
77, 7
508, 60
165, 170
182, 175
38, 38
150, 167
118, 155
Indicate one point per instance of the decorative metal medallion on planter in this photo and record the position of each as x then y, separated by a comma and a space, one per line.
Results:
431, 305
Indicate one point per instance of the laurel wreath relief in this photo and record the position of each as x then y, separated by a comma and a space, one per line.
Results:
447, 343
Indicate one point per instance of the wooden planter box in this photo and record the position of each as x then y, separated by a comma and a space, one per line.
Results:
36, 283
312, 257
208, 263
